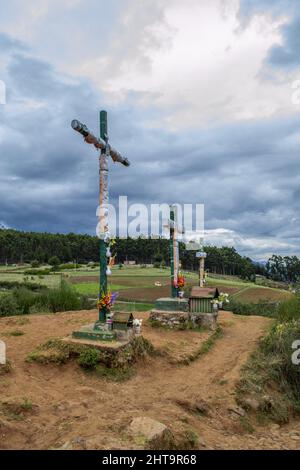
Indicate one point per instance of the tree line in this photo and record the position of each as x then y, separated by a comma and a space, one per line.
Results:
24, 247
283, 268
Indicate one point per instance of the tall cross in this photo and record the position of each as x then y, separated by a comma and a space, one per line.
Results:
201, 255
174, 247
106, 151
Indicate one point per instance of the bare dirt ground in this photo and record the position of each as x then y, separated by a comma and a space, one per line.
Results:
72, 409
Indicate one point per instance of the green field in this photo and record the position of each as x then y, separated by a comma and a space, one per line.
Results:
51, 281
136, 284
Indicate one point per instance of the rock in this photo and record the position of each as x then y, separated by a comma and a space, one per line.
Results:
252, 404
237, 410
200, 406
80, 442
66, 446
153, 434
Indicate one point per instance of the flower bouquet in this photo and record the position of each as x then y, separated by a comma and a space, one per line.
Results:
223, 298
179, 284
107, 300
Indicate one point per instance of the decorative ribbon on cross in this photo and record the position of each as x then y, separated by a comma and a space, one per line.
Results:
106, 150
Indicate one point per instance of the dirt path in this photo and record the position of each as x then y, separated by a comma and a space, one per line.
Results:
72, 409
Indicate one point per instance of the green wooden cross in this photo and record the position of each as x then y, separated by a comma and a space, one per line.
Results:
106, 151
174, 248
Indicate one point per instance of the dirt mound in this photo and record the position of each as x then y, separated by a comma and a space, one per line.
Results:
74, 409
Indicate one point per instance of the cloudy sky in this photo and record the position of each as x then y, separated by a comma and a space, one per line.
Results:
203, 97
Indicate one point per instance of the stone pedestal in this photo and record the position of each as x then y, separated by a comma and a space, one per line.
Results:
204, 320
176, 313
99, 332
95, 332
169, 319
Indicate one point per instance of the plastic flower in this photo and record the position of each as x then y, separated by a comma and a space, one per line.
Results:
223, 297
107, 300
180, 282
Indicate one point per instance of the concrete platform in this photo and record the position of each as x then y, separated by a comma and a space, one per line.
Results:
170, 304
95, 332
110, 346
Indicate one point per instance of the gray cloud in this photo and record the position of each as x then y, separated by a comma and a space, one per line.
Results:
245, 173
8, 43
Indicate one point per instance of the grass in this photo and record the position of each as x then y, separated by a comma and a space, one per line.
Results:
264, 309
59, 352
92, 288
15, 410
16, 333
22, 301
270, 376
49, 281
136, 287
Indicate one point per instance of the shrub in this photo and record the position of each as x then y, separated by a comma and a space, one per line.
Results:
54, 261
89, 358
37, 272
25, 299
35, 264
14, 284
68, 266
8, 305
262, 308
278, 346
289, 309
62, 299
270, 376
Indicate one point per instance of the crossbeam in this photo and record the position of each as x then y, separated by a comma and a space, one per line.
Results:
98, 142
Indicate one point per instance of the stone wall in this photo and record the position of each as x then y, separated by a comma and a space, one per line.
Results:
178, 320
169, 319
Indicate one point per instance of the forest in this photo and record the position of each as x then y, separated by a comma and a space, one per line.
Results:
17, 247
